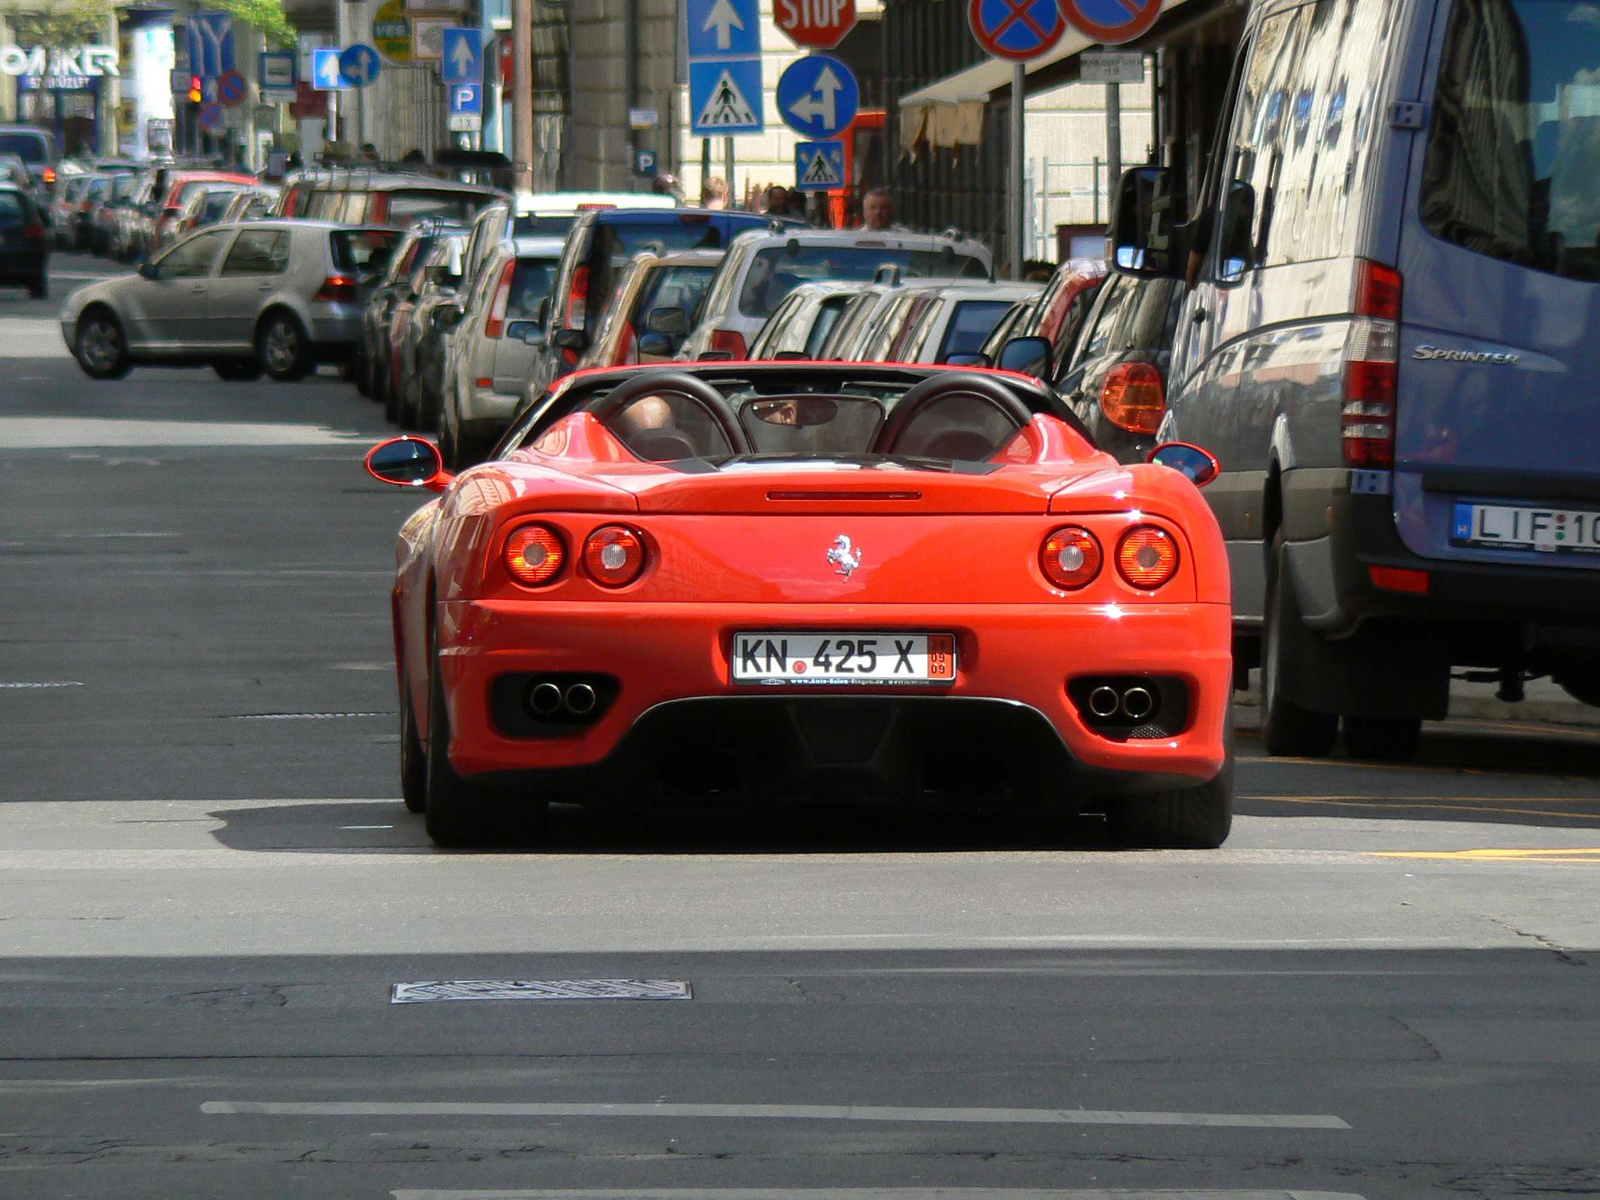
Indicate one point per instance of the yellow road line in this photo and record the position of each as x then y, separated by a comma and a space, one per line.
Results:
1430, 803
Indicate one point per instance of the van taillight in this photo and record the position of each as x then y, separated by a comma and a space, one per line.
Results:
728, 341
627, 348
495, 326
577, 299
337, 289
1133, 397
1371, 368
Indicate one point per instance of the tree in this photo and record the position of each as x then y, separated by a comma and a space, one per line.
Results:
57, 24
267, 17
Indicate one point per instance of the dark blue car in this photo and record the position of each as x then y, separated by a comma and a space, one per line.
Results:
24, 243
599, 246
1392, 343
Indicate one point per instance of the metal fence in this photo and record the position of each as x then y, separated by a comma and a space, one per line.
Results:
1063, 192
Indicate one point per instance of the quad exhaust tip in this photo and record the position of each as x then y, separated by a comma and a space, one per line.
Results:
1137, 703
580, 699
545, 699
1104, 701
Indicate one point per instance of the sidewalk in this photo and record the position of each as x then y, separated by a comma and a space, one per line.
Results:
1546, 704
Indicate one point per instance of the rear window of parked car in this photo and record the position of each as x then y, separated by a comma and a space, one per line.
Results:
258, 252
776, 272
408, 206
360, 251
971, 325
29, 147
545, 225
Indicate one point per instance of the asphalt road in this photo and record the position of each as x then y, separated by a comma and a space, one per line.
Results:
1383, 986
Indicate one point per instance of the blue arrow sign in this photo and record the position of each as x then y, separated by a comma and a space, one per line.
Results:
359, 65
210, 44
818, 96
724, 28
325, 75
462, 57
818, 166
725, 97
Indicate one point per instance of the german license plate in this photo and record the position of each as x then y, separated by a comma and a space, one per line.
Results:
1526, 527
844, 658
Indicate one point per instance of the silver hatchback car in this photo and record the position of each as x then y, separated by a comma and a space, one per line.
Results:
275, 296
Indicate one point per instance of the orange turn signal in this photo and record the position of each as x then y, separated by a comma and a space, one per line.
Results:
1133, 397
534, 555
1147, 557
614, 555
1070, 557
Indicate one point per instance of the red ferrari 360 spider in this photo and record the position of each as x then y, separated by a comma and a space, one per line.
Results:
797, 580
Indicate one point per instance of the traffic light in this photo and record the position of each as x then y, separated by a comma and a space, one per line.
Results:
196, 89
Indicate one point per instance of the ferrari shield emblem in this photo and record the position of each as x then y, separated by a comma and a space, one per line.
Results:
843, 555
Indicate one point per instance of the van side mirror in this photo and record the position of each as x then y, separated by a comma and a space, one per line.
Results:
1144, 226
671, 321
1029, 355
146, 269
655, 345
571, 339
446, 317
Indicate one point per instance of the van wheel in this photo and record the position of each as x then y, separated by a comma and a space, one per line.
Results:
1287, 730
1382, 739
282, 348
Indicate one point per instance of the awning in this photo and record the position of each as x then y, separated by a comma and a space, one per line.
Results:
943, 109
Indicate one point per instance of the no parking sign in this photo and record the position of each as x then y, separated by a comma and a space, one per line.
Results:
1016, 29
1111, 22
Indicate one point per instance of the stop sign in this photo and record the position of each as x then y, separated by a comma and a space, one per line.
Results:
820, 24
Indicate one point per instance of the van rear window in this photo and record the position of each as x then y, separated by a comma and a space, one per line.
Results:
408, 206
361, 251
1515, 154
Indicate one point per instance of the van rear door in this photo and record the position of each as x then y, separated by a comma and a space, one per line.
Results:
1497, 428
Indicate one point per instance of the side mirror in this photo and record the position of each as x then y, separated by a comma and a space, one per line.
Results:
408, 462
529, 333
790, 356
571, 339
672, 321
1144, 225
446, 317
1199, 464
146, 269
543, 318
1028, 355
965, 360
655, 345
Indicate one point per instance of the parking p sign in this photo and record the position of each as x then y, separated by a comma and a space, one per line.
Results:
466, 107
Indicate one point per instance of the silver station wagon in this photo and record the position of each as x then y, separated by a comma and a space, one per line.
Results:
271, 296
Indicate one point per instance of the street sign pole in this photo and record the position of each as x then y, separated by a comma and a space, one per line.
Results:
1019, 103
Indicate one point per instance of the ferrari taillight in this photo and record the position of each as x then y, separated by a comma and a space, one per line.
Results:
1147, 557
535, 554
495, 326
614, 555
1070, 558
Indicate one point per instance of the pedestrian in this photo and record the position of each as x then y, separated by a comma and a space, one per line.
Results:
877, 209
667, 184
714, 193
777, 198
797, 203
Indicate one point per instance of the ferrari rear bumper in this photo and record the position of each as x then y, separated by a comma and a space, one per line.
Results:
673, 694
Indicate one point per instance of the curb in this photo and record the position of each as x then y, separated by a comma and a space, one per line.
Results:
1483, 708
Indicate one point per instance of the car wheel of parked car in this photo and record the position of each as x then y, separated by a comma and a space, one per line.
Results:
1286, 728
411, 404
283, 348
237, 370
413, 759
391, 398
1382, 739
1196, 818
100, 347
449, 450
1582, 686
39, 287
361, 370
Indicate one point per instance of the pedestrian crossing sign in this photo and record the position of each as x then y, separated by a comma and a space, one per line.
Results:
725, 97
819, 166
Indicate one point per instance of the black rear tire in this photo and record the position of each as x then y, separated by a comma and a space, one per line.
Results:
1382, 739
1196, 818
455, 810
1287, 730
282, 347
413, 759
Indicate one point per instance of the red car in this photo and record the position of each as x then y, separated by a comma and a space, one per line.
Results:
180, 186
795, 580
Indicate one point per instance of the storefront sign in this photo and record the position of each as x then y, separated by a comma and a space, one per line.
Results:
77, 63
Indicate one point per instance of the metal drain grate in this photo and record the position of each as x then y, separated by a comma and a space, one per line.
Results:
426, 991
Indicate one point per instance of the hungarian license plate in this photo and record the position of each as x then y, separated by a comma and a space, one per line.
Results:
844, 658
1524, 527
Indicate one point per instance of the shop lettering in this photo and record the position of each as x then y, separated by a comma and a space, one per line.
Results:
79, 61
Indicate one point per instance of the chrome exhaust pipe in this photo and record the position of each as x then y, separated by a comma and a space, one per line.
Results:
581, 699
544, 699
1137, 703
1103, 701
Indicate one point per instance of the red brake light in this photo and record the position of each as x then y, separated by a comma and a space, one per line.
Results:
627, 348
730, 341
1070, 557
495, 326
578, 299
50, 176
1133, 397
614, 555
1378, 291
1399, 579
33, 232
1147, 557
337, 289
1371, 368
535, 554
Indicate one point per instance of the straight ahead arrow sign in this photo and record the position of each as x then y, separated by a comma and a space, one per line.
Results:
463, 58
724, 18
